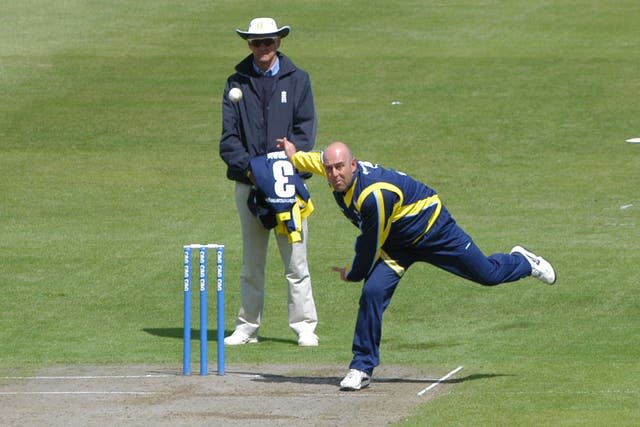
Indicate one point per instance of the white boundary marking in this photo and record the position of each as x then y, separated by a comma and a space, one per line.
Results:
434, 385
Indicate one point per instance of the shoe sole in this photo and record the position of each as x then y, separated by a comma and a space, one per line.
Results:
354, 388
249, 341
363, 384
555, 273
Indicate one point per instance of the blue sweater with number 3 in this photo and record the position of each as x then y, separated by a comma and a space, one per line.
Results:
284, 193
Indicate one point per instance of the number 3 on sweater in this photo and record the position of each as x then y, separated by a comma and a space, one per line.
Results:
282, 170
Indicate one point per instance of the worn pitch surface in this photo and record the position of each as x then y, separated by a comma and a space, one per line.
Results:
248, 395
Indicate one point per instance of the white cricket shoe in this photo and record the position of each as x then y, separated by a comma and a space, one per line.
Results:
540, 267
355, 380
240, 338
308, 339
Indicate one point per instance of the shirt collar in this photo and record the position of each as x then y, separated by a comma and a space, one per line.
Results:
271, 71
348, 195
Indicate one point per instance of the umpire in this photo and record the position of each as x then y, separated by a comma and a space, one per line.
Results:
277, 102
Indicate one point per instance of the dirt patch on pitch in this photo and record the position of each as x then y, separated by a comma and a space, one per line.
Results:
257, 395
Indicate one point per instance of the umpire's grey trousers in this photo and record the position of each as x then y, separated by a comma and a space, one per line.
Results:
255, 241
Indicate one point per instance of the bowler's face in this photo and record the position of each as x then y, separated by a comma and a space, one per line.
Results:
339, 167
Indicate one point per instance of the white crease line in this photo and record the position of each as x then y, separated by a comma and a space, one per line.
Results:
85, 377
15, 393
455, 371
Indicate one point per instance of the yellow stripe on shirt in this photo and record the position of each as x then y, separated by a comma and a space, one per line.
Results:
384, 225
435, 200
416, 207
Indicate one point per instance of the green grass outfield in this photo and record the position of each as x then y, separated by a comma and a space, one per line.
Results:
516, 111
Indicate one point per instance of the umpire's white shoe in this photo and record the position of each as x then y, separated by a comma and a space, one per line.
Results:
355, 380
540, 267
308, 339
240, 338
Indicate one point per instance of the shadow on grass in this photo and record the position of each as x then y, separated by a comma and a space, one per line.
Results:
212, 335
271, 378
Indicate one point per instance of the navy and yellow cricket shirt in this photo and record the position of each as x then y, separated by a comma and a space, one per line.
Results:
391, 209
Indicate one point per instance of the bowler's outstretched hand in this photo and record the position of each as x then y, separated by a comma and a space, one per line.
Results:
287, 146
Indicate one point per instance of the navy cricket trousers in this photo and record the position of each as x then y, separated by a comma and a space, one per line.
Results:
446, 246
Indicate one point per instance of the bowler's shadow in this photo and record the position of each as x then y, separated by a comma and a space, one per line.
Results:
272, 378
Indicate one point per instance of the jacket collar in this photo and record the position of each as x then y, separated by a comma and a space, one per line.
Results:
245, 67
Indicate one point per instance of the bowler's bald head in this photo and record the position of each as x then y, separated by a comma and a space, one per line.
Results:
337, 151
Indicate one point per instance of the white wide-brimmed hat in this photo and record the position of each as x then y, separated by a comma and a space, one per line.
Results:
263, 27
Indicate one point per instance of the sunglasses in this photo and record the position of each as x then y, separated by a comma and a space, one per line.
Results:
262, 42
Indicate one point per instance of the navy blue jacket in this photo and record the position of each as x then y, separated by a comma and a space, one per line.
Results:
290, 110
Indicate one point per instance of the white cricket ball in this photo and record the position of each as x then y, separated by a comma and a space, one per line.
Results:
235, 94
